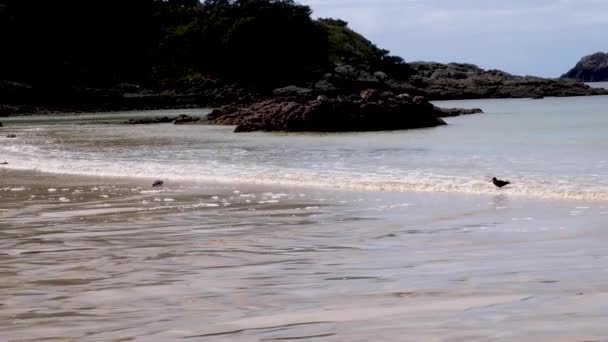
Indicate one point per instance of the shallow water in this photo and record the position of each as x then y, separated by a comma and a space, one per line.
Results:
229, 262
549, 148
319, 237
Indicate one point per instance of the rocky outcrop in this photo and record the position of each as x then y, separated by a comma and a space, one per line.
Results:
19, 99
434, 81
438, 81
448, 112
150, 121
592, 68
185, 119
177, 120
371, 110
466, 81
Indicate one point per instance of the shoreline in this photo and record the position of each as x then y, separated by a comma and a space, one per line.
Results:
42, 111
122, 256
85, 110
486, 189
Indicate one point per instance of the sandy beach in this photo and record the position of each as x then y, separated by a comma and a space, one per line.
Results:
91, 259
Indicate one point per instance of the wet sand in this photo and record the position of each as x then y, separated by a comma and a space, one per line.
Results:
109, 259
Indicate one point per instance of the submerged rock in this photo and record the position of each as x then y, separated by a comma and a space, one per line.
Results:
178, 120
148, 121
11, 136
447, 112
369, 111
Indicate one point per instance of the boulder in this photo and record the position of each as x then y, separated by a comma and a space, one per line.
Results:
292, 90
11, 136
325, 86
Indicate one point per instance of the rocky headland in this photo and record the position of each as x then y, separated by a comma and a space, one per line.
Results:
296, 66
434, 81
591, 68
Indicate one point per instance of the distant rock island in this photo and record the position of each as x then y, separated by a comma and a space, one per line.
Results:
591, 68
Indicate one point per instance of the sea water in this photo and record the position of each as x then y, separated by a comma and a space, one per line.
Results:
386, 236
550, 148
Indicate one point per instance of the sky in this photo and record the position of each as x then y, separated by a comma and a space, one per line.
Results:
523, 37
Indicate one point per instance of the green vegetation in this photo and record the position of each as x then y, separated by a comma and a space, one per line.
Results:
107, 42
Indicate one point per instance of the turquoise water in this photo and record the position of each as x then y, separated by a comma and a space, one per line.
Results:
554, 148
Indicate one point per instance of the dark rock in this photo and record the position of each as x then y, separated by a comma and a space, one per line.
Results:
370, 111
292, 90
178, 120
370, 95
1, 124
325, 86
380, 75
592, 68
465, 81
11, 136
185, 119
434, 81
419, 100
447, 112
4, 163
148, 121
405, 96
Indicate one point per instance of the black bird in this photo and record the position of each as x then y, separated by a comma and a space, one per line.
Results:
499, 183
158, 184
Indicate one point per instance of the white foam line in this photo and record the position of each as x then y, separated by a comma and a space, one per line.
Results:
438, 184
415, 181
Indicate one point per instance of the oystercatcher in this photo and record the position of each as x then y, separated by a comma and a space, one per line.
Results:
500, 183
